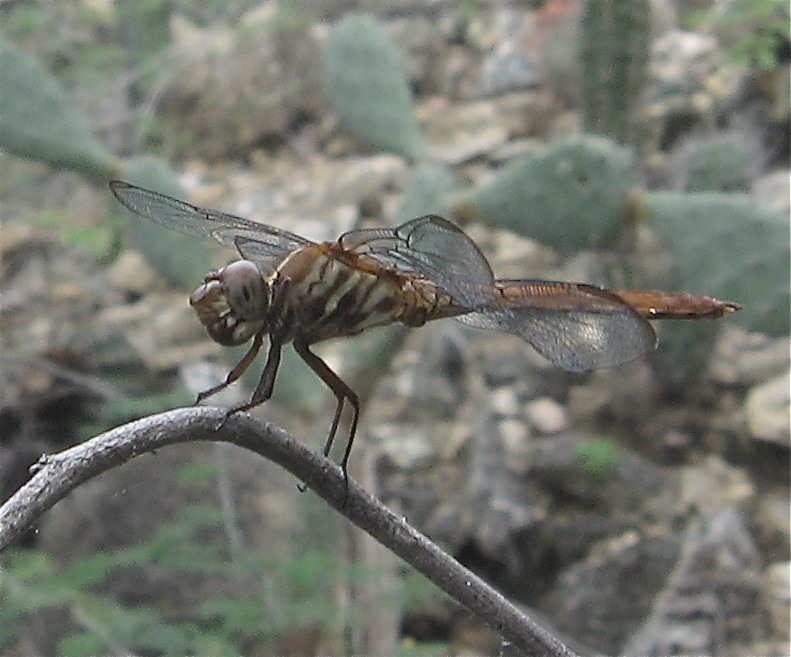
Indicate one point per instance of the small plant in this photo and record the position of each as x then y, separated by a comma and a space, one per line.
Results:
254, 610
598, 458
758, 28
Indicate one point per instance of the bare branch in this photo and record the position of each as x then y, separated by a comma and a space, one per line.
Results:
56, 475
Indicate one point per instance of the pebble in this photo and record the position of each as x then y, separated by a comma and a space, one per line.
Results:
768, 410
547, 415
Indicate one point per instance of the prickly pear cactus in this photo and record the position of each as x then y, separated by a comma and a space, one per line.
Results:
39, 123
730, 248
570, 196
181, 259
368, 87
715, 165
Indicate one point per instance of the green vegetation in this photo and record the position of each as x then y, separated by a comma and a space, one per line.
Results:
759, 26
717, 165
30, 99
255, 598
571, 195
598, 458
367, 86
615, 43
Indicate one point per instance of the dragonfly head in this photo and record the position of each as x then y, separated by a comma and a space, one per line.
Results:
233, 303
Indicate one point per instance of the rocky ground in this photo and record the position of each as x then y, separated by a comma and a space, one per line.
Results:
631, 515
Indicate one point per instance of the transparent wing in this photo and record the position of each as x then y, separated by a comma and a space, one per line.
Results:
574, 326
433, 248
263, 243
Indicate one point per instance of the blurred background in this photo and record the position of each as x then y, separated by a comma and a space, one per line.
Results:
641, 510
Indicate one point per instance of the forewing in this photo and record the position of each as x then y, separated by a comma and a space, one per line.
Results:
598, 332
267, 243
433, 248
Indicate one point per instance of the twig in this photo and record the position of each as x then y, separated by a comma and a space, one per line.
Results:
56, 475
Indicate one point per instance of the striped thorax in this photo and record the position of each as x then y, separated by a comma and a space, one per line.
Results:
327, 293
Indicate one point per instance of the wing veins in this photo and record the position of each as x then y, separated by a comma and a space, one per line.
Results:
432, 248
193, 220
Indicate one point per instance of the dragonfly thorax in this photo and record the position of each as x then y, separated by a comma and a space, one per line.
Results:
233, 303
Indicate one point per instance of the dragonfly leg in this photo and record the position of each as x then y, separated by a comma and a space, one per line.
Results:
263, 391
342, 393
239, 369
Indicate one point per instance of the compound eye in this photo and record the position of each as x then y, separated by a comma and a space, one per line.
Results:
245, 290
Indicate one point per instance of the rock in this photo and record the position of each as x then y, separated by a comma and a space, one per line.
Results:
430, 376
55, 299
712, 596
406, 450
200, 375
773, 522
547, 416
425, 55
680, 61
778, 597
361, 178
712, 484
629, 392
603, 598
516, 444
465, 131
595, 473
505, 35
505, 360
505, 402
690, 87
742, 358
768, 411
162, 328
132, 273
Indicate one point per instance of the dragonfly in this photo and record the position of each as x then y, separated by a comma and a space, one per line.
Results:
292, 290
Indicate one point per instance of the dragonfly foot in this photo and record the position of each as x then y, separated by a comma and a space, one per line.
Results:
225, 418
